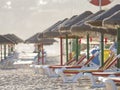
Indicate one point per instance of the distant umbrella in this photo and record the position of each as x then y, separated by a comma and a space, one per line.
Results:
97, 21
18, 39
14, 38
64, 28
4, 40
112, 21
38, 38
47, 40
33, 39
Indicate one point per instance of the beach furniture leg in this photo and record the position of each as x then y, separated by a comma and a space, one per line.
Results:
93, 81
110, 85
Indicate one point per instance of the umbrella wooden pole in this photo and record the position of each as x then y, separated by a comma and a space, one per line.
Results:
42, 54
102, 49
70, 57
66, 48
13, 48
4, 51
8, 49
61, 51
118, 46
1, 52
77, 48
38, 53
88, 49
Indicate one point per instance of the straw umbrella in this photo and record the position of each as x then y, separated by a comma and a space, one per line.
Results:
40, 41
76, 28
65, 29
81, 29
97, 22
114, 22
39, 38
15, 39
54, 33
4, 40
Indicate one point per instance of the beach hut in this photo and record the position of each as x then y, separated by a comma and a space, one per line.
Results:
65, 29
114, 22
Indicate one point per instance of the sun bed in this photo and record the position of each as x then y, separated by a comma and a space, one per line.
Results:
50, 69
76, 73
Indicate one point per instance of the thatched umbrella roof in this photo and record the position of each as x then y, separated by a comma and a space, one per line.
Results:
97, 21
112, 21
66, 26
47, 40
84, 29
105, 31
14, 38
4, 40
33, 39
38, 38
53, 26
54, 32
81, 28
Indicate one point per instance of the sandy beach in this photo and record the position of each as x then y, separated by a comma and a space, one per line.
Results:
27, 79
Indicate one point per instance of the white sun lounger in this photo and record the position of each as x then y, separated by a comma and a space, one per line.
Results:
81, 71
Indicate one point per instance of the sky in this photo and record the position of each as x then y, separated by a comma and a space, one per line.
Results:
28, 17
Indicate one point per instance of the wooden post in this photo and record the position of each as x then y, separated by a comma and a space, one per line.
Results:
1, 51
66, 48
88, 49
102, 49
77, 48
38, 53
4, 51
118, 46
42, 54
61, 52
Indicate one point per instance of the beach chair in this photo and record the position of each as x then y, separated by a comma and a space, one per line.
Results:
109, 83
72, 75
50, 70
37, 67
